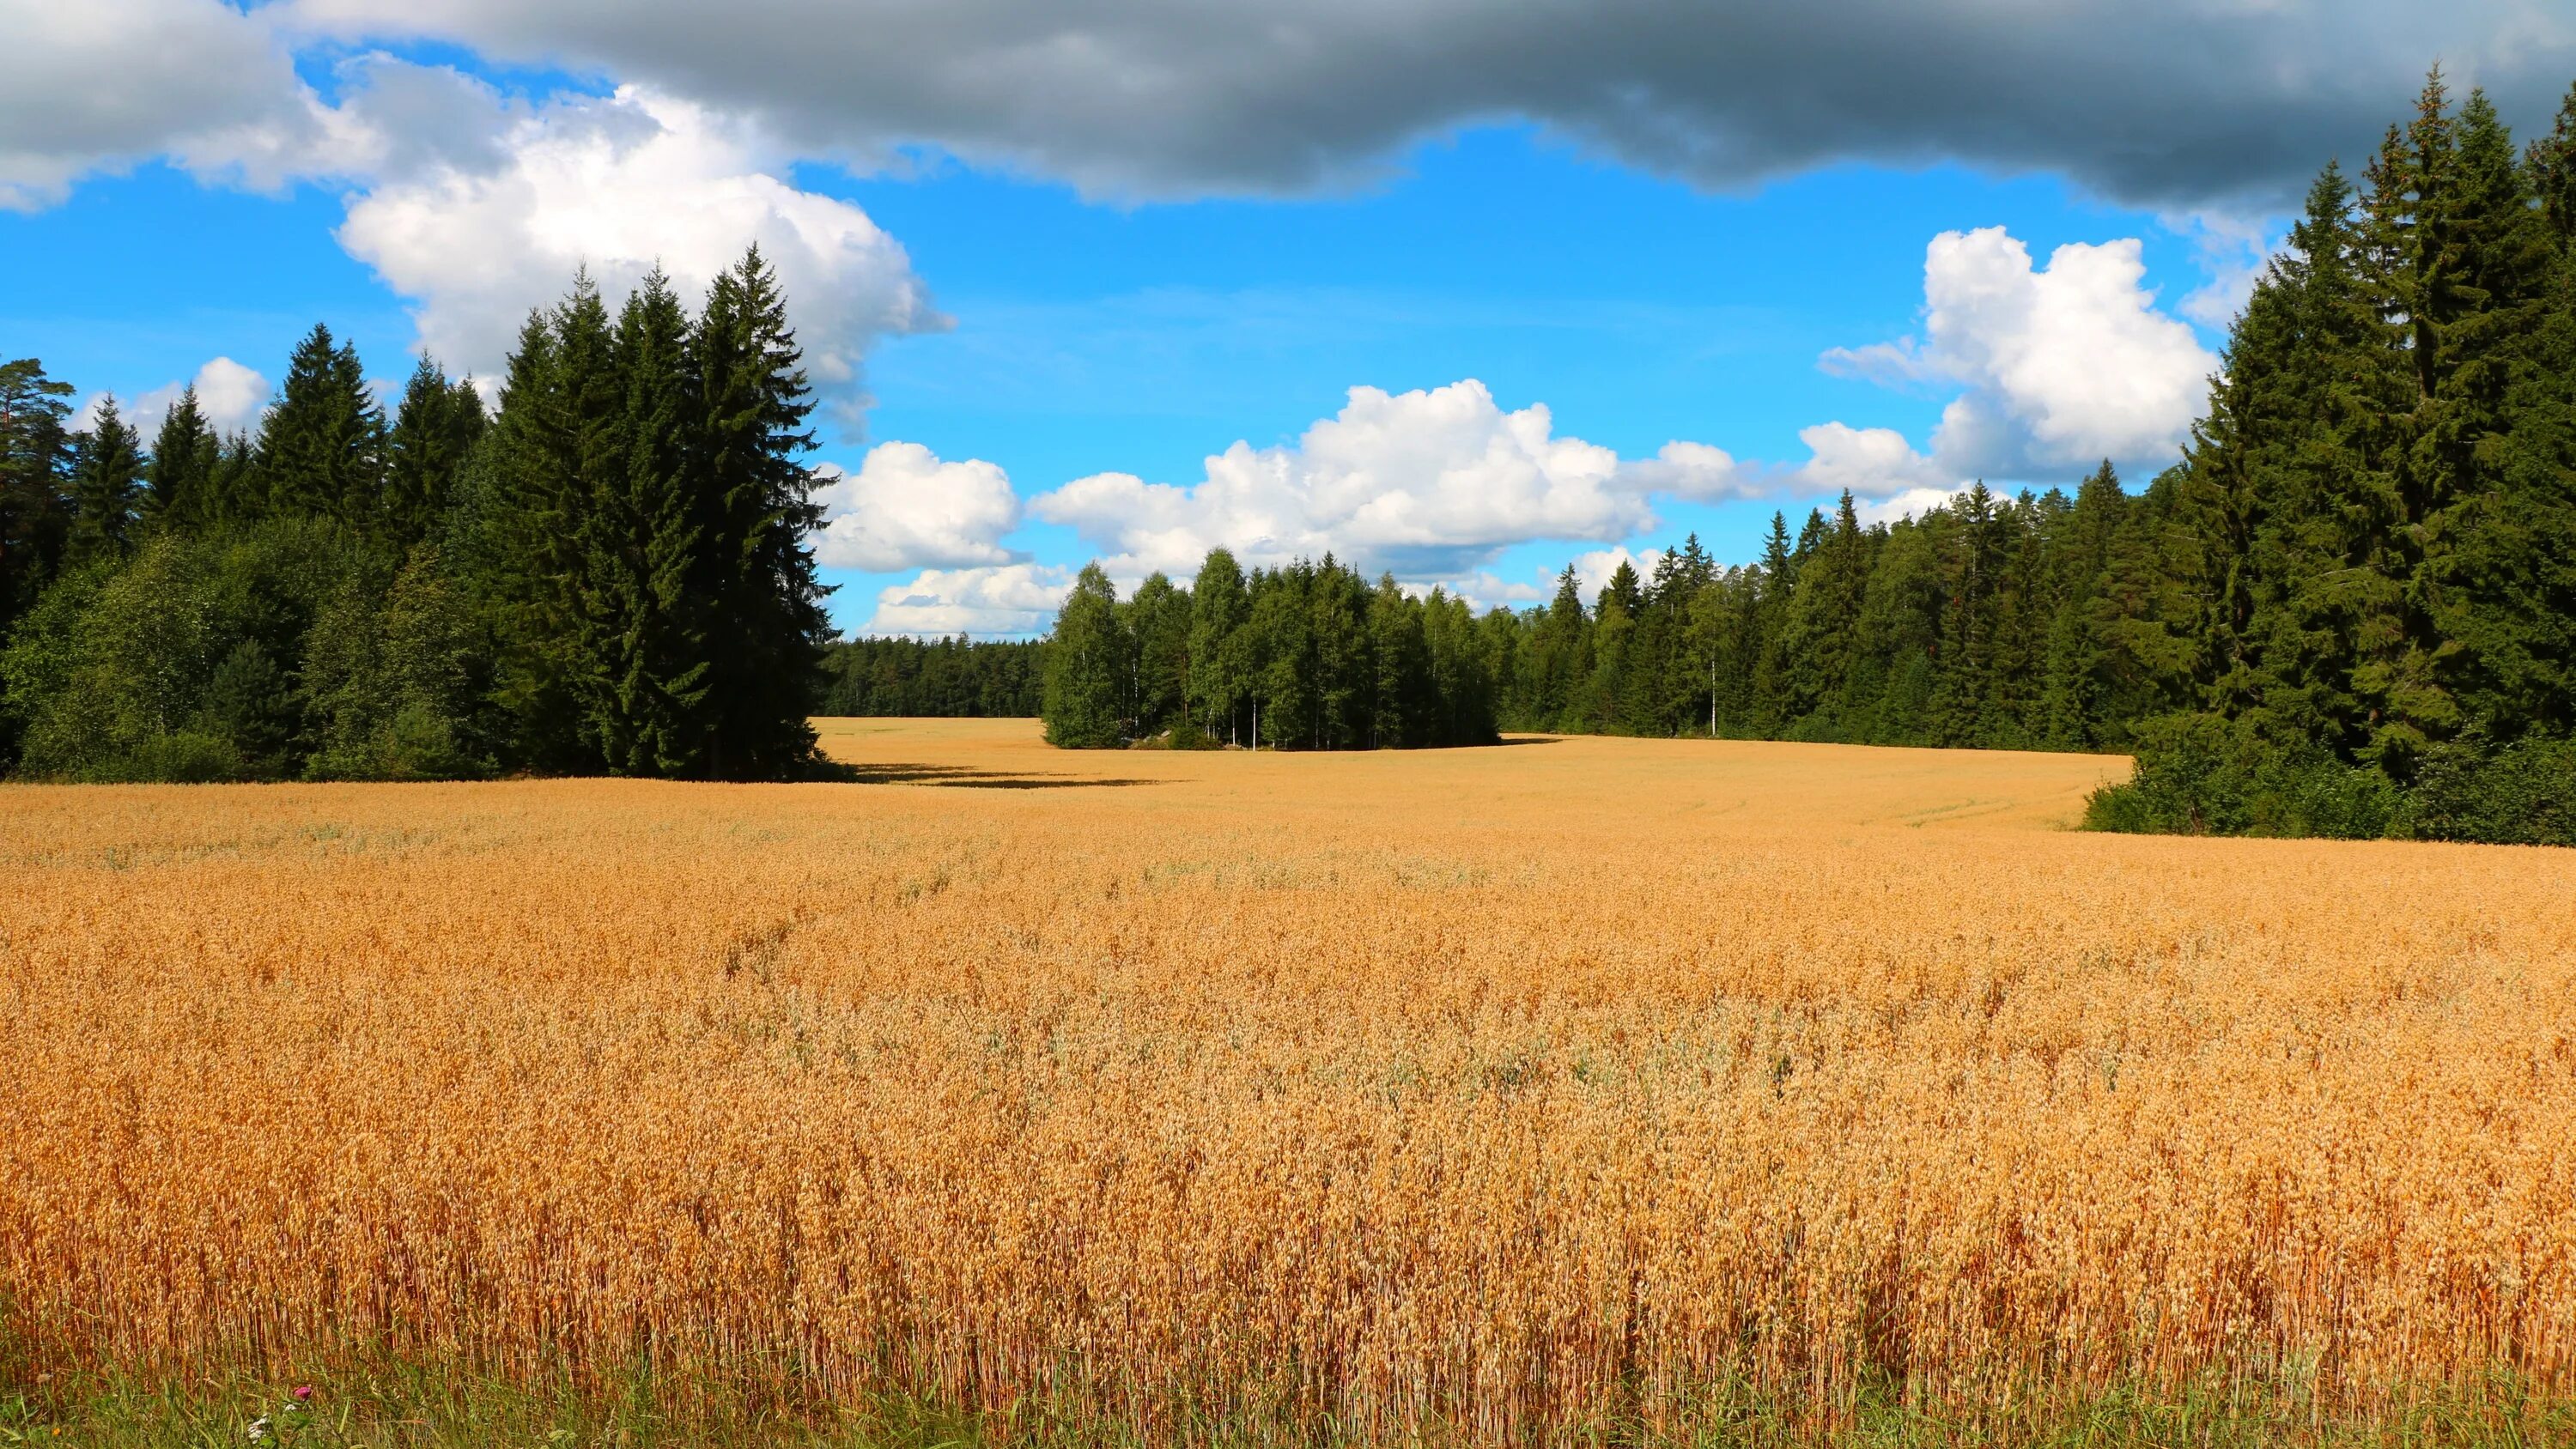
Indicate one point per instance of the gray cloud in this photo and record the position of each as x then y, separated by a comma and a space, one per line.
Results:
102, 83
2195, 103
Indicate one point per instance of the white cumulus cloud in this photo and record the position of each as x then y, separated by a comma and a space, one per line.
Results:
1868, 462
496, 224
2060, 367
1425, 483
1004, 599
229, 394
906, 508
1696, 471
2063, 365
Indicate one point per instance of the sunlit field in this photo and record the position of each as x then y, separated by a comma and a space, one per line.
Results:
1647, 1090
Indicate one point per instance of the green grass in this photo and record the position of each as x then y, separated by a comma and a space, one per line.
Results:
414, 1407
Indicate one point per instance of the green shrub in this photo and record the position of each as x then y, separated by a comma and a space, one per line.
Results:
2199, 775
2523, 793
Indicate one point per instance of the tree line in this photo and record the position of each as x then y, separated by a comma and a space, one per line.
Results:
1309, 655
1982, 622
607, 574
954, 678
2348, 609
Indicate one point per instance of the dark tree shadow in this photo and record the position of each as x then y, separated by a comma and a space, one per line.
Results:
959, 777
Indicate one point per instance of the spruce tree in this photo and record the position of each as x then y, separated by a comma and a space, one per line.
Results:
106, 487
182, 470
436, 425
641, 537
754, 511
2073, 689
1557, 653
321, 447
529, 545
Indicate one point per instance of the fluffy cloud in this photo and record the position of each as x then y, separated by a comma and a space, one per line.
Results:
1425, 483
1595, 567
1868, 462
1695, 471
2167, 104
496, 220
229, 394
473, 206
2062, 366
906, 509
1007, 599
99, 84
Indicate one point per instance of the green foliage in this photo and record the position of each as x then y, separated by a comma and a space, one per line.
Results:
2521, 794
422, 1405
35, 512
2198, 775
199, 636
1088, 668
1307, 656
609, 577
939, 678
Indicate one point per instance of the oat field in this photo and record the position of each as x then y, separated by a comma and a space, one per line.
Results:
1581, 1086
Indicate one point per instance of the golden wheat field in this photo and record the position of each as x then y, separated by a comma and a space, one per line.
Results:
1499, 1092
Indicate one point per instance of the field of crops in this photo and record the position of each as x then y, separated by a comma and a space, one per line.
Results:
1486, 1095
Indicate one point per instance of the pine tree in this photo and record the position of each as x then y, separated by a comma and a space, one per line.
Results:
182, 470
755, 511
35, 515
106, 487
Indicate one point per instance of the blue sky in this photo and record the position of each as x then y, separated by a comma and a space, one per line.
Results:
1003, 304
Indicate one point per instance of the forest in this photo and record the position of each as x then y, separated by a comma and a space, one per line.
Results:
957, 678
2348, 609
608, 575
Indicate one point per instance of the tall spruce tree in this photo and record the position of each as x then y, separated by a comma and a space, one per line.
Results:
755, 508
642, 533
321, 449
437, 423
106, 487
530, 533
182, 472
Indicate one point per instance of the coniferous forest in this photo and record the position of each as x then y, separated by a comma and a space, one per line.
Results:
2348, 609
957, 678
607, 575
